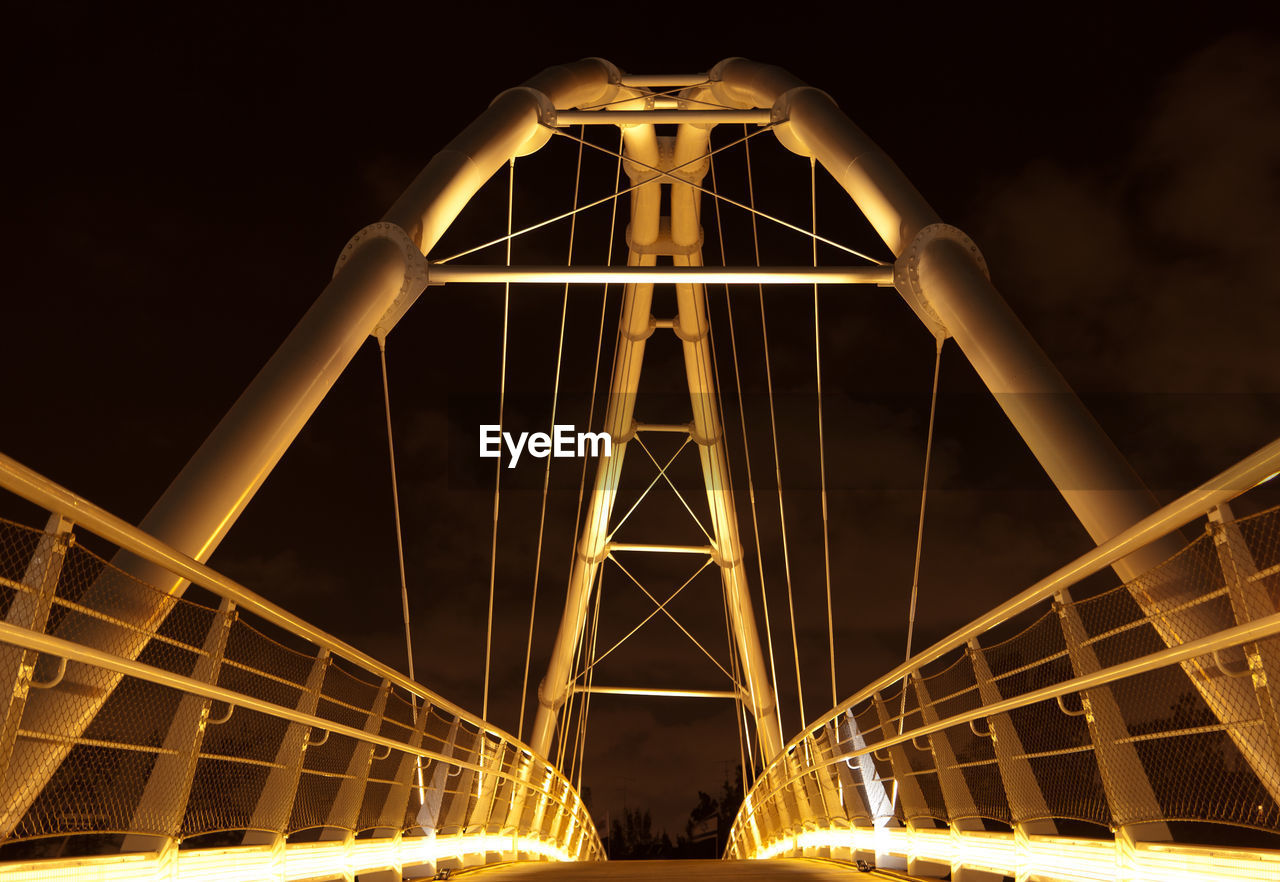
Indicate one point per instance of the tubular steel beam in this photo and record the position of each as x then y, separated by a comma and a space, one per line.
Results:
882, 276
654, 81
677, 428
660, 548
376, 282
659, 117
659, 693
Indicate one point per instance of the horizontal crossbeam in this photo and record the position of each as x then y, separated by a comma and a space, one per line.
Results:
443, 274
659, 117
659, 693
677, 428
654, 81
661, 548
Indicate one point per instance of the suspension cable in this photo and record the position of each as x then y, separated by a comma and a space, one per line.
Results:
395, 504
672, 92
670, 616
924, 496
546, 475
497, 480
595, 373
613, 196
662, 473
591, 675
746, 453
584, 706
746, 457
743, 750
563, 729
777, 465
645, 493
670, 174
915, 575
582, 479
659, 608
822, 452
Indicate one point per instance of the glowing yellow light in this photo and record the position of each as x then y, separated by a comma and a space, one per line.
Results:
1070, 860
296, 861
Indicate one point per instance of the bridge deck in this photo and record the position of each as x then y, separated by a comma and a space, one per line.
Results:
798, 869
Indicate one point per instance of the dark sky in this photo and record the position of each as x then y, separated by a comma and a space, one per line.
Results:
178, 189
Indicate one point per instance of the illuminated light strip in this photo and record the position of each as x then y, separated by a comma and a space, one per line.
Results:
40, 642
656, 692
1060, 858
1087, 860
1161, 862
714, 116
298, 861
446, 273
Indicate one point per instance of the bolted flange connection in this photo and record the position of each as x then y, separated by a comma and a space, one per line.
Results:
906, 272
415, 268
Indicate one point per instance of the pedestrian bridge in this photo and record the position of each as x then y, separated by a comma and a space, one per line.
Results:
162, 721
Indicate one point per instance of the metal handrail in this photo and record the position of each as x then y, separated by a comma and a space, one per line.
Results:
1258, 629
16, 635
35, 488
1261, 466
1244, 475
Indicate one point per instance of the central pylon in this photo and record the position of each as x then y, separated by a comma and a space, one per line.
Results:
652, 163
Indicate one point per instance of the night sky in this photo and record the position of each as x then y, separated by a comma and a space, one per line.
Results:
179, 188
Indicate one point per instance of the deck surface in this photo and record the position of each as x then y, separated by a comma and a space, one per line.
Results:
798, 870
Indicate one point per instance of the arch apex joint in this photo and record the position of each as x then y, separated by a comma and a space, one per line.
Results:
546, 109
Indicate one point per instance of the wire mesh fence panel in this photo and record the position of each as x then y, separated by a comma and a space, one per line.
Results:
966, 761
224, 794
92, 787
1195, 766
325, 767
867, 722
1261, 535
19, 566
256, 665
126, 755
857, 793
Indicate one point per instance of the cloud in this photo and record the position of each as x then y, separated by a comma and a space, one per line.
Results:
1150, 280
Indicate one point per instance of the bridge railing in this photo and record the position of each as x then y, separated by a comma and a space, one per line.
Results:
1129, 709
236, 723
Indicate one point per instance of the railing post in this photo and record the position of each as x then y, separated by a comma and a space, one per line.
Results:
29, 609
879, 809
1250, 600
270, 820
914, 804
808, 790
1028, 809
159, 813
538, 820
458, 814
391, 818
488, 784
832, 785
522, 770
345, 811
1124, 779
962, 811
